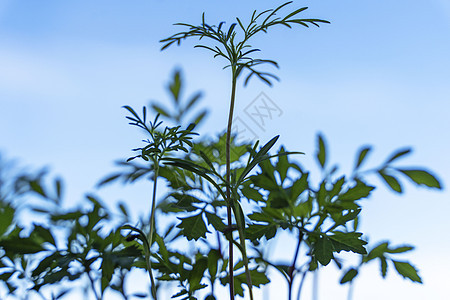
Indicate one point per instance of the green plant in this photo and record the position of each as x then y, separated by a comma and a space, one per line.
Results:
236, 51
241, 199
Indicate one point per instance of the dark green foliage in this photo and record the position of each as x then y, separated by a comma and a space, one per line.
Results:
219, 193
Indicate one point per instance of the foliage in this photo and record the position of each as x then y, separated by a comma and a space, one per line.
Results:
222, 196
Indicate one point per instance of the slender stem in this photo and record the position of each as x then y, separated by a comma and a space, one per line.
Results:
294, 262
228, 183
350, 291
152, 228
315, 294
301, 284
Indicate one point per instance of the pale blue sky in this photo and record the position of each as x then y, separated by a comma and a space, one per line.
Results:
379, 74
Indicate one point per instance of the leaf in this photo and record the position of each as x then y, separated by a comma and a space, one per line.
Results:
398, 154
351, 215
282, 165
215, 221
400, 249
361, 156
383, 266
109, 179
196, 274
18, 245
162, 247
348, 241
391, 181
252, 194
193, 227
175, 85
160, 110
422, 177
7, 216
407, 270
349, 275
257, 231
323, 250
213, 259
359, 191
321, 153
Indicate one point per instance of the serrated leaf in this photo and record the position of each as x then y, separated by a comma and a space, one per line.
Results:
407, 270
422, 177
215, 221
323, 250
252, 194
359, 191
349, 276
255, 232
348, 241
193, 227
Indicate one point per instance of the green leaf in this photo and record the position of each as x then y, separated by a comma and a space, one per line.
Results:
282, 165
252, 194
351, 215
175, 85
391, 181
213, 259
361, 156
323, 250
18, 245
377, 252
45, 234
359, 191
7, 216
383, 266
398, 154
255, 232
160, 110
422, 177
321, 153
215, 221
407, 270
348, 241
193, 227
162, 246
349, 275
196, 274
400, 249
299, 186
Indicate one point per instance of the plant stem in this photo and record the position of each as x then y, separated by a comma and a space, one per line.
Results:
152, 228
228, 183
301, 284
294, 262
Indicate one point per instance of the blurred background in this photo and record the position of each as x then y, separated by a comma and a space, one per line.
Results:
378, 75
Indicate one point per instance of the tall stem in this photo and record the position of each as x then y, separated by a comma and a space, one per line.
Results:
152, 228
294, 263
228, 183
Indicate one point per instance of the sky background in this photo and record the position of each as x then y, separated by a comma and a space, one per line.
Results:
379, 74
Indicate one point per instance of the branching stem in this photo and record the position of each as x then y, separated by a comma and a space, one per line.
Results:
291, 271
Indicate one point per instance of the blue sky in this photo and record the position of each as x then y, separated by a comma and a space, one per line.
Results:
379, 75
